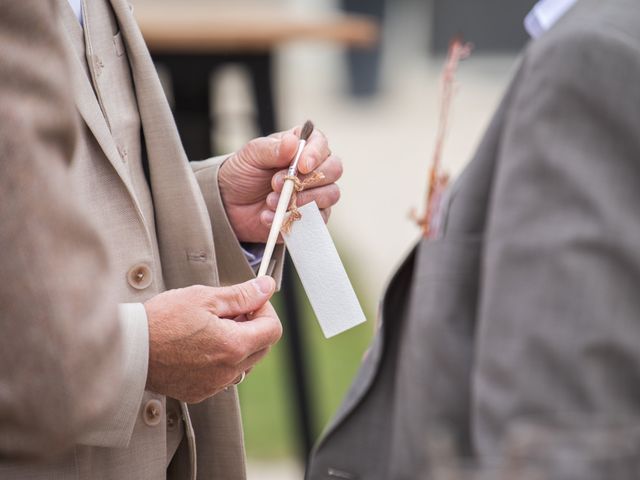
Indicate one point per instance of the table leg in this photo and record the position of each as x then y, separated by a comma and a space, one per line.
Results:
364, 63
191, 95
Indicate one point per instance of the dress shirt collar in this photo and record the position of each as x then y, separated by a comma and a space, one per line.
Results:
76, 6
544, 14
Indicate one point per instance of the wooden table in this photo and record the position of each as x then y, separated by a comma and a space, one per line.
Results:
250, 27
191, 39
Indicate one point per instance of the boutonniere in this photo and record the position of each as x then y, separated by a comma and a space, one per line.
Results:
438, 176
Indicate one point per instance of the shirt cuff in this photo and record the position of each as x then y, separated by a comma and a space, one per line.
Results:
254, 253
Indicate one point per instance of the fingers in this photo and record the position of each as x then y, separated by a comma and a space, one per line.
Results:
259, 333
324, 197
251, 361
331, 168
326, 213
315, 152
287, 150
266, 217
271, 152
251, 296
247, 365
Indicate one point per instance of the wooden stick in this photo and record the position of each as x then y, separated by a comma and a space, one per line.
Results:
283, 203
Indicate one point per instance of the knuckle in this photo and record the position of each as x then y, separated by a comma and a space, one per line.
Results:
201, 291
253, 147
311, 156
277, 180
276, 332
214, 302
253, 144
303, 198
339, 167
236, 297
335, 194
236, 353
204, 296
243, 297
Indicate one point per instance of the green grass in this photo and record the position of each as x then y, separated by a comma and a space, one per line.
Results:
266, 397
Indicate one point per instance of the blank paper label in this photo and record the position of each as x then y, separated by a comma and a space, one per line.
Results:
322, 274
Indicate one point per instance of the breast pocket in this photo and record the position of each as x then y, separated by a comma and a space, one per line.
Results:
432, 391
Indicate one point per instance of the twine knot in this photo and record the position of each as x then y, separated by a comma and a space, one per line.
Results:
298, 186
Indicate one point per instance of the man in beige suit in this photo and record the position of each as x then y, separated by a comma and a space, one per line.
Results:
51, 260
171, 225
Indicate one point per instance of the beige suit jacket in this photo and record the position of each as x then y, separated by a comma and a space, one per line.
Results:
60, 344
189, 241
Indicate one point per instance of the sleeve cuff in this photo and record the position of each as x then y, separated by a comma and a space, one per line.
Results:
232, 263
254, 253
117, 428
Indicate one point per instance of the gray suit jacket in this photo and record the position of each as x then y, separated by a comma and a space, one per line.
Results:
61, 362
527, 305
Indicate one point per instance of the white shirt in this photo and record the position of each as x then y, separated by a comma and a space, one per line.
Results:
544, 14
76, 6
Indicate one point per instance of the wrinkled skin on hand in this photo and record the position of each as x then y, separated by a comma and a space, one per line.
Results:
251, 180
201, 338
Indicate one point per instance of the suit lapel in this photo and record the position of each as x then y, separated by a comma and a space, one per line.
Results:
86, 100
182, 223
395, 293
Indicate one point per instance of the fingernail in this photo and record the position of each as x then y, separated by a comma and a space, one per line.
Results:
309, 165
272, 200
267, 217
264, 284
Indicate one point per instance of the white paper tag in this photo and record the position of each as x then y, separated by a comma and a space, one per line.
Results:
322, 274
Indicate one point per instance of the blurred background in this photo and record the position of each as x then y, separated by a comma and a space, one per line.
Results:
367, 72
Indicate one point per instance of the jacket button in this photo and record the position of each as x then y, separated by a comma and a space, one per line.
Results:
139, 276
172, 419
152, 413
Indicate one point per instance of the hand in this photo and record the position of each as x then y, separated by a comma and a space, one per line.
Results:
202, 338
251, 180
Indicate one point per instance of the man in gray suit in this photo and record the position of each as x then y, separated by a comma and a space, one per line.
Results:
525, 306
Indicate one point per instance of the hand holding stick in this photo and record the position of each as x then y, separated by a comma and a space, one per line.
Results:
285, 198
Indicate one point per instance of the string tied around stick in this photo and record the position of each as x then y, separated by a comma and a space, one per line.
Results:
298, 186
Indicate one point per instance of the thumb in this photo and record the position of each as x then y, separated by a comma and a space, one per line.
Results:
229, 302
287, 149
271, 153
